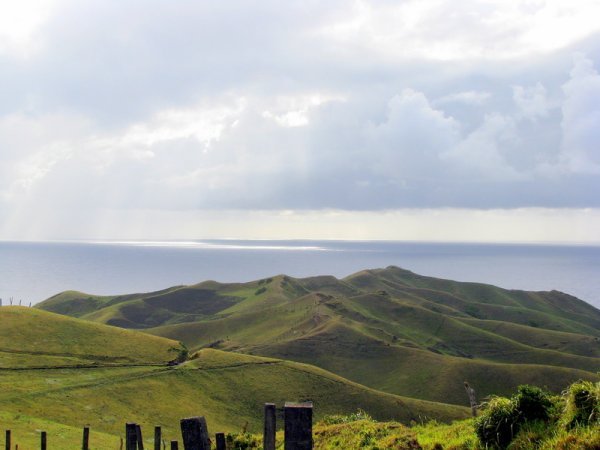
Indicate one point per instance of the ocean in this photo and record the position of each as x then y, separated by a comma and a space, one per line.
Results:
34, 271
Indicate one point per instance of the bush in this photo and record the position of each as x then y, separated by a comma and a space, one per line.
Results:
531, 409
533, 403
182, 353
242, 441
582, 406
498, 423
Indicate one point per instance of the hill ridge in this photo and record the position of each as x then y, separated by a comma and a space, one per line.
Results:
390, 320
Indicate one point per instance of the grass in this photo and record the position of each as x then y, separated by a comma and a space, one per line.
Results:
31, 337
229, 389
41, 390
25, 433
455, 436
389, 329
536, 431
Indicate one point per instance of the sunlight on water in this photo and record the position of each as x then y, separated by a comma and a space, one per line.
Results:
36, 271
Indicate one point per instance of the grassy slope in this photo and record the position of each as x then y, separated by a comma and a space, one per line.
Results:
26, 434
31, 337
39, 391
352, 338
414, 372
577, 344
551, 310
389, 329
229, 389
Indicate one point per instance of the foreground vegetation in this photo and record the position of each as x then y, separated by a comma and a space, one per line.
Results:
532, 419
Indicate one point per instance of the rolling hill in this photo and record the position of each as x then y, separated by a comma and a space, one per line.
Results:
31, 337
389, 329
59, 373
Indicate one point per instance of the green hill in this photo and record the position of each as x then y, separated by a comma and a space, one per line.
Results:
227, 388
59, 373
31, 337
389, 329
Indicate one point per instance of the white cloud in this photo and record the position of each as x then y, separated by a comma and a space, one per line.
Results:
581, 118
480, 155
294, 111
531, 101
19, 22
411, 138
363, 106
467, 29
476, 98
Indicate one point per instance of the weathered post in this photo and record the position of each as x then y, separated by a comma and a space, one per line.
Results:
195, 433
472, 399
43, 441
130, 436
298, 426
7, 440
270, 427
157, 437
220, 438
85, 445
174, 445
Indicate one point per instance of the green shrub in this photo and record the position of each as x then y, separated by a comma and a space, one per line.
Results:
502, 418
498, 423
182, 353
242, 441
531, 435
582, 405
533, 403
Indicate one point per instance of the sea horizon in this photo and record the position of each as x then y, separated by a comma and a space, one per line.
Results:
106, 267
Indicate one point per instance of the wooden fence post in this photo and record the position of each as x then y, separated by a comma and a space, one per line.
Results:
8, 444
270, 427
195, 433
138, 436
85, 445
298, 426
130, 436
157, 437
43, 441
174, 445
220, 438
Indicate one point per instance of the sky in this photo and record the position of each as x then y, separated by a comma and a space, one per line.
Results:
410, 120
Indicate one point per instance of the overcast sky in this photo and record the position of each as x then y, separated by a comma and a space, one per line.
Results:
424, 119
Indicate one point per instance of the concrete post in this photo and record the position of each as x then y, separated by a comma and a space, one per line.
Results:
195, 433
270, 427
130, 436
220, 438
85, 445
298, 426
157, 437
